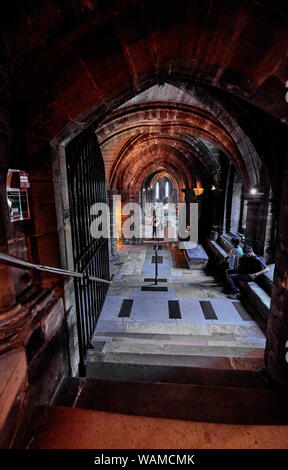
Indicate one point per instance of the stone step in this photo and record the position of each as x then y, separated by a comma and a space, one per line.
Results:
170, 367
174, 345
178, 327
102, 336
193, 402
220, 349
79, 428
156, 347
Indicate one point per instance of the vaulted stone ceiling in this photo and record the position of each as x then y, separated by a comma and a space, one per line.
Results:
70, 58
155, 137
74, 62
168, 125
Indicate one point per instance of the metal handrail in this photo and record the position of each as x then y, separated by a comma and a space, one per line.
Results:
22, 264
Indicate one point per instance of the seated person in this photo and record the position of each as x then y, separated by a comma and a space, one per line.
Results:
250, 267
184, 243
187, 238
234, 254
232, 259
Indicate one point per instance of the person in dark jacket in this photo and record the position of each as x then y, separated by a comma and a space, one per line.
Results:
250, 267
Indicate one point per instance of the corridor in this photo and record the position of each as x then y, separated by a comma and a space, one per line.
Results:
186, 314
132, 114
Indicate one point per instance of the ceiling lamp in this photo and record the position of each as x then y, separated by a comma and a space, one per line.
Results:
198, 190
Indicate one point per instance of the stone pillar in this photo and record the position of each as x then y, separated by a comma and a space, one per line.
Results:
254, 207
43, 236
12, 316
276, 353
243, 214
7, 287
236, 205
228, 197
218, 201
113, 240
126, 198
190, 198
271, 227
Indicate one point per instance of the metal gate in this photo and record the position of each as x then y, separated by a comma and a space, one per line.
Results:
86, 184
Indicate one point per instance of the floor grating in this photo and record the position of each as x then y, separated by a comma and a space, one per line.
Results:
126, 308
156, 288
174, 309
242, 312
208, 310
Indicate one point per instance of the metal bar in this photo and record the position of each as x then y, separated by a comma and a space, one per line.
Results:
156, 265
22, 264
93, 254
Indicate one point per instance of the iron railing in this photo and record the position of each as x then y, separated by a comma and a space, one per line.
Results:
22, 264
86, 186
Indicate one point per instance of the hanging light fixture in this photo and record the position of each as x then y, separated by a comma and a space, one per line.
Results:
198, 190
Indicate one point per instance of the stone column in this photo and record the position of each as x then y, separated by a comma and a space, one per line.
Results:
12, 315
254, 207
236, 206
228, 198
218, 201
276, 353
189, 199
113, 240
43, 236
7, 288
126, 198
271, 227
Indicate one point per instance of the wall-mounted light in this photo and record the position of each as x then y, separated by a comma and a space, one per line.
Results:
198, 190
213, 188
253, 191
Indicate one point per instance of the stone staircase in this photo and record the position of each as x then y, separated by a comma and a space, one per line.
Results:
65, 427
221, 396
211, 396
142, 385
147, 352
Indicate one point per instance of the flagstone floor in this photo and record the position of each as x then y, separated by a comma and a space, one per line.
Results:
228, 331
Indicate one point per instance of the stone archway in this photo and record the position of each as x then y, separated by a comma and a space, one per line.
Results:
62, 82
